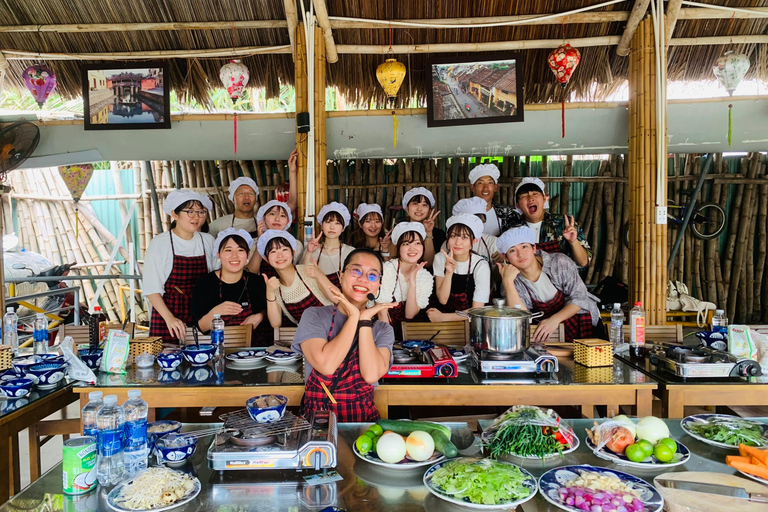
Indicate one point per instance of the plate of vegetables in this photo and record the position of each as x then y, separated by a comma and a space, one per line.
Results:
644, 444
725, 431
480, 483
529, 432
586, 488
405, 444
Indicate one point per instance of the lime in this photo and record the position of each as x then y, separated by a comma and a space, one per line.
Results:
635, 452
376, 428
375, 442
663, 452
647, 447
364, 444
668, 441
370, 433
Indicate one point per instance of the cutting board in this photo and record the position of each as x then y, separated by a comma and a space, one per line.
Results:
676, 500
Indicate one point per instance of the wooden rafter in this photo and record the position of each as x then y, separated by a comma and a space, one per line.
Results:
292, 19
673, 14
135, 27
636, 15
321, 12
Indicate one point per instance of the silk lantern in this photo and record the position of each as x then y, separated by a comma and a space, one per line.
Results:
563, 61
730, 69
40, 81
76, 178
234, 76
390, 74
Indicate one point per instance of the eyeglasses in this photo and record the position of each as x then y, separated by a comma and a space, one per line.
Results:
356, 271
245, 194
195, 213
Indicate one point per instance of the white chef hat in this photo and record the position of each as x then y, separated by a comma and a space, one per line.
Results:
265, 208
404, 227
261, 244
179, 197
364, 209
484, 170
471, 221
472, 205
334, 207
531, 181
242, 180
515, 236
418, 191
232, 231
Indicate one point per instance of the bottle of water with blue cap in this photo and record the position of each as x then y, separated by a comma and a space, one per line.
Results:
40, 334
217, 333
110, 422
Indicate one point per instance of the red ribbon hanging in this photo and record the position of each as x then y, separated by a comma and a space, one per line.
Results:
563, 116
235, 133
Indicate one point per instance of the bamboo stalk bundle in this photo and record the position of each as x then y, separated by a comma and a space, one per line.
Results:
760, 258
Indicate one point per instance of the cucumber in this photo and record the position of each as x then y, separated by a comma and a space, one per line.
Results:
405, 427
443, 444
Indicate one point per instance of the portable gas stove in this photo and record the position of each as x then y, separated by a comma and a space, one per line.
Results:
698, 362
532, 365
289, 443
434, 362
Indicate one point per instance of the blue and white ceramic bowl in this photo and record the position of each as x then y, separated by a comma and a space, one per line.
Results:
169, 377
266, 414
169, 360
198, 356
23, 363
51, 358
16, 388
91, 357
49, 374
174, 449
11, 375
7, 406
199, 375
713, 339
158, 429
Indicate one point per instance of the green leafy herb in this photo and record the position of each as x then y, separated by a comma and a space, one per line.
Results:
731, 432
521, 433
482, 481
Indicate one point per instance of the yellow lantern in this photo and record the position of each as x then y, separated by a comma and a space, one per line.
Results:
390, 75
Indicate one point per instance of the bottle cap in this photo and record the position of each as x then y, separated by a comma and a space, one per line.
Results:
616, 305
216, 315
638, 303
110, 399
719, 311
134, 393
97, 308
40, 315
9, 309
95, 395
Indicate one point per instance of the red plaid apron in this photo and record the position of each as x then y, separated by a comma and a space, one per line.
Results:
397, 313
578, 326
551, 246
333, 277
245, 301
354, 396
178, 288
267, 269
462, 291
297, 308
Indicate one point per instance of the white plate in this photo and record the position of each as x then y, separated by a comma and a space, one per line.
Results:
403, 464
573, 447
247, 355
706, 418
683, 455
249, 365
530, 483
189, 497
283, 360
753, 477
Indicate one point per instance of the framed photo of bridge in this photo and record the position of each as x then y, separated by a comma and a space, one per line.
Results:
475, 89
126, 96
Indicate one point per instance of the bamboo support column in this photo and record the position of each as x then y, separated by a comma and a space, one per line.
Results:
321, 168
648, 240
302, 105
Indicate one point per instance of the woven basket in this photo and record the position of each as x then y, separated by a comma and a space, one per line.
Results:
593, 352
152, 345
598, 374
6, 354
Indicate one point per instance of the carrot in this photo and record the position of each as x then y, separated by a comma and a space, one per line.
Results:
751, 451
730, 458
752, 469
743, 450
758, 462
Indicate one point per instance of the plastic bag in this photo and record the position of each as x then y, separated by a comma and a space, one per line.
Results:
520, 417
602, 433
115, 352
77, 369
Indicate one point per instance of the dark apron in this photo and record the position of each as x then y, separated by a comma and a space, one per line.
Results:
577, 327
397, 313
354, 396
244, 299
333, 277
178, 289
254, 234
551, 246
297, 308
462, 291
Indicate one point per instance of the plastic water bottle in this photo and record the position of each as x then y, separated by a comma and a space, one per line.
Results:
10, 330
217, 333
96, 325
617, 325
637, 330
89, 413
719, 321
136, 450
40, 334
110, 422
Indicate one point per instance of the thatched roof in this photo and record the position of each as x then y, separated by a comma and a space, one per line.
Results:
354, 75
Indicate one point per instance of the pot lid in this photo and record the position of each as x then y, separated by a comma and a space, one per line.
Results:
499, 310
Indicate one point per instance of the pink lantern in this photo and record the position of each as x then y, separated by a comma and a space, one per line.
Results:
234, 76
40, 81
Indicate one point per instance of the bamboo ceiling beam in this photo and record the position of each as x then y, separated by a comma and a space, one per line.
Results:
715, 12
475, 47
292, 21
321, 12
159, 54
717, 40
339, 23
134, 27
673, 14
635, 17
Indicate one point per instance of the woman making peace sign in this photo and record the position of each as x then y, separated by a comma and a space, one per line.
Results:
327, 249
419, 204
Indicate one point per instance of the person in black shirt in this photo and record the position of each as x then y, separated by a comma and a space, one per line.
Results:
232, 292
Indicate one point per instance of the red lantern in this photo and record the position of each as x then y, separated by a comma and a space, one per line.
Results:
563, 61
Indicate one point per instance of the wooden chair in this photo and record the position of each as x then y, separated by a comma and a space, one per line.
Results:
235, 336
671, 334
79, 333
454, 334
284, 336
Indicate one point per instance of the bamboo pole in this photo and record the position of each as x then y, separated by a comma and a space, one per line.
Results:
318, 103
302, 105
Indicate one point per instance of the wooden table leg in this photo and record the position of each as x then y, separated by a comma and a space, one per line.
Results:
644, 402
381, 400
587, 411
15, 469
675, 402
5, 455
612, 410
34, 453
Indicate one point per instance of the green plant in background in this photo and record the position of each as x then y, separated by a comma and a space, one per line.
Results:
11, 99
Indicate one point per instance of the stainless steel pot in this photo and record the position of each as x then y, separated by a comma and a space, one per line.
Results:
499, 328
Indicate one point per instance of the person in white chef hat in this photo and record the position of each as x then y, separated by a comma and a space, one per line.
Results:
174, 261
552, 233
484, 179
486, 244
419, 205
327, 249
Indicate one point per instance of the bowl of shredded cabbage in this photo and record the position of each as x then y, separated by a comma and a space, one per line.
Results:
156, 489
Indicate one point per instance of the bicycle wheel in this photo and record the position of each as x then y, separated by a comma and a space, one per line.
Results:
708, 221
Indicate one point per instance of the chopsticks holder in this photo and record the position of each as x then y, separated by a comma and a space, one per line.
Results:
327, 392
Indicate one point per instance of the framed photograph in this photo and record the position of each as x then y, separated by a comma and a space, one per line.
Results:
475, 89
126, 96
